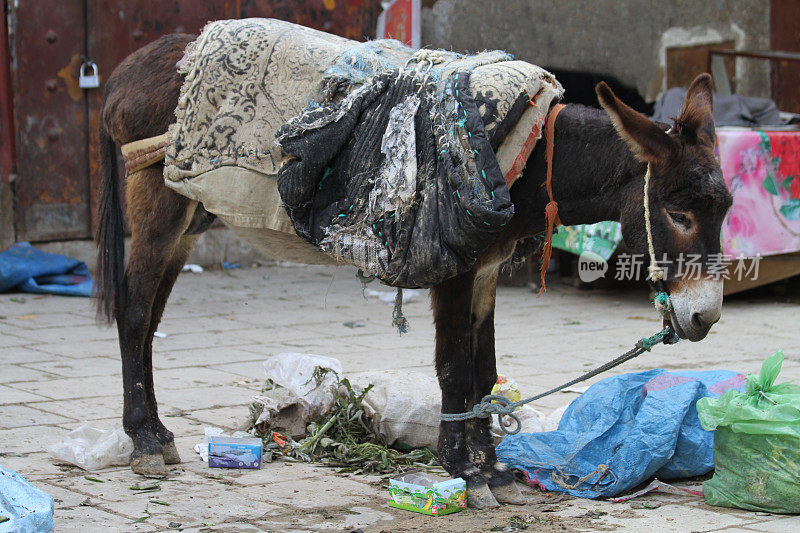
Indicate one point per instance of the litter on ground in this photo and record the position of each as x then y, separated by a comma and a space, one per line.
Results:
23, 507
757, 443
94, 449
621, 432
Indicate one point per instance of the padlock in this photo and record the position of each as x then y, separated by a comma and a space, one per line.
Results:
89, 78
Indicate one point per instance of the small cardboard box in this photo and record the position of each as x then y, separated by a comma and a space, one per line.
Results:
427, 494
231, 452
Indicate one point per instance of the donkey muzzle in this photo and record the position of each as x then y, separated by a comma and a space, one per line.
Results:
696, 306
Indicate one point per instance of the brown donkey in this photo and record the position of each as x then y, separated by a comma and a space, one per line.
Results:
598, 174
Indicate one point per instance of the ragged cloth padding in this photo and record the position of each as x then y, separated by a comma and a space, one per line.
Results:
244, 79
144, 152
410, 229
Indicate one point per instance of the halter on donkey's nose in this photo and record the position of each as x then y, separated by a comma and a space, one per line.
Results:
655, 274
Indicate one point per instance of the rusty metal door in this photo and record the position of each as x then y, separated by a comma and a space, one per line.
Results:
51, 189
58, 148
785, 36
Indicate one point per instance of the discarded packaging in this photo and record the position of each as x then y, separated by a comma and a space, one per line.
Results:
425, 493
92, 449
505, 387
310, 377
402, 406
277, 409
658, 486
209, 432
231, 452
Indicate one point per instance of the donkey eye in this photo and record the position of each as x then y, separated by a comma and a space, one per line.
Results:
682, 220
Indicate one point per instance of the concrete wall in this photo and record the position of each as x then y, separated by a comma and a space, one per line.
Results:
625, 38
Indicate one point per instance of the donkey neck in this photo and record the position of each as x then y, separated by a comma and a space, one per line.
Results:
593, 170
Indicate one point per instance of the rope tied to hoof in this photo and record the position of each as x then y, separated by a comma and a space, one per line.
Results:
494, 404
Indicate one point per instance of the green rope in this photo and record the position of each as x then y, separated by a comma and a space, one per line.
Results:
494, 404
662, 302
363, 278
398, 319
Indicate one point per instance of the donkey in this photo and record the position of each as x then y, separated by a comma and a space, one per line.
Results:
599, 163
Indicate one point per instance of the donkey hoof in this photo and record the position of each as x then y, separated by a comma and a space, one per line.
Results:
509, 493
170, 453
150, 465
480, 497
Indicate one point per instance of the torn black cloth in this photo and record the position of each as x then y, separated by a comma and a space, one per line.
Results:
412, 213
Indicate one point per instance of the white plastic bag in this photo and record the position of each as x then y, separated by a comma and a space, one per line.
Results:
92, 449
304, 375
405, 407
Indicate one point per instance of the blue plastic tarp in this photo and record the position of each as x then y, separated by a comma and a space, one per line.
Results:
26, 269
621, 432
26, 508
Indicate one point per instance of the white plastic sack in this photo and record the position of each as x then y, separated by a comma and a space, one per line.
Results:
405, 407
92, 449
298, 373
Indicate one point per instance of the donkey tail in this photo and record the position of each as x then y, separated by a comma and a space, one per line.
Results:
110, 286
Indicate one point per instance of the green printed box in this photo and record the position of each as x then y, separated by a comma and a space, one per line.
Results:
427, 494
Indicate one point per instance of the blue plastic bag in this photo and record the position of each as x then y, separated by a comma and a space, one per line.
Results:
623, 431
25, 508
26, 269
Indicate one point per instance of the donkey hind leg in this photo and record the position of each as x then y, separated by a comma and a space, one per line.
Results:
451, 302
158, 219
171, 272
480, 444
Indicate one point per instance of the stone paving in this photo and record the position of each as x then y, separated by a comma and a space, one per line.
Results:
59, 368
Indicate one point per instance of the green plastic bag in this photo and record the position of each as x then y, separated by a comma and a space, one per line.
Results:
756, 444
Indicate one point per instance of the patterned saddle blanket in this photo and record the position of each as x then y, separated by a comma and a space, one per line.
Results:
315, 148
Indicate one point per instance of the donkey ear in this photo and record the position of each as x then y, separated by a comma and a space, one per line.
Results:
647, 141
696, 121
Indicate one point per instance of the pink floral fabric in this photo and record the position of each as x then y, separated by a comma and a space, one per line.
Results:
762, 170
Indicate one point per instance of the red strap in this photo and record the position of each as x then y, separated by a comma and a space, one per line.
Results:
551, 210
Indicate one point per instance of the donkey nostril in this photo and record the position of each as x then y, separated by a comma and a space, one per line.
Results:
697, 321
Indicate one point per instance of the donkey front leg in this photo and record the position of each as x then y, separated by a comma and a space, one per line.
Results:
451, 302
480, 444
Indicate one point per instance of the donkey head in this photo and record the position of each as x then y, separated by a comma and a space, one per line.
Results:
688, 200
